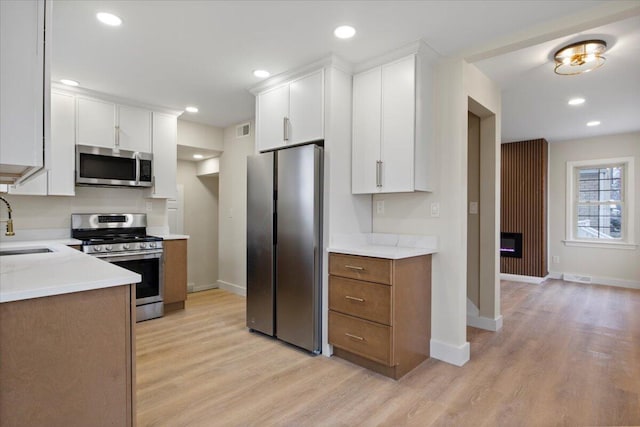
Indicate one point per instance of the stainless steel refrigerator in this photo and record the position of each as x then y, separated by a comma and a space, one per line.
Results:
284, 245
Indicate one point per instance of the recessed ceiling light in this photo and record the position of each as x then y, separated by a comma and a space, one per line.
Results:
198, 156
191, 109
261, 73
576, 101
344, 32
109, 19
69, 82
593, 123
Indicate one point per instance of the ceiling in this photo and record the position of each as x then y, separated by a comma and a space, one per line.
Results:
202, 53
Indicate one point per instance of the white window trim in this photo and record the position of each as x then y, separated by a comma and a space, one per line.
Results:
628, 238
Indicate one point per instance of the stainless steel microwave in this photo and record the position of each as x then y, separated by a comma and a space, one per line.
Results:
113, 167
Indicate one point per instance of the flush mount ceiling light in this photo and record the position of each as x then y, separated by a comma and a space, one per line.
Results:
191, 109
263, 74
593, 123
109, 19
69, 82
576, 101
344, 32
198, 156
581, 57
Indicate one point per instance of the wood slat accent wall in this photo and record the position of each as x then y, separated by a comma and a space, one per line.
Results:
524, 204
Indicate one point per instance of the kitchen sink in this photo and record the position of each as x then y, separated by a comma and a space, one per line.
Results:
24, 251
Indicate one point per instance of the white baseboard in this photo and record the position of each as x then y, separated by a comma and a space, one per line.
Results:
486, 323
554, 275
524, 279
594, 280
192, 287
233, 288
455, 355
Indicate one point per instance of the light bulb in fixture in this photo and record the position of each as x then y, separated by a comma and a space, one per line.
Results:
198, 156
191, 109
109, 19
344, 32
593, 123
576, 101
69, 82
261, 73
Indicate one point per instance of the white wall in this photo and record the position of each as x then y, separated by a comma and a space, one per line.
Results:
607, 266
200, 136
410, 213
54, 212
232, 237
201, 224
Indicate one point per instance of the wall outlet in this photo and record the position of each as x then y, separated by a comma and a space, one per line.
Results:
149, 206
435, 209
380, 207
473, 208
555, 259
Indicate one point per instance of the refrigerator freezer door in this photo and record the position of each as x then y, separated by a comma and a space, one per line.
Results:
299, 246
260, 249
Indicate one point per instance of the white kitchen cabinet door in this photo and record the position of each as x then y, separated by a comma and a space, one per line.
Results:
272, 112
62, 164
96, 122
164, 156
22, 63
398, 126
306, 107
366, 131
134, 129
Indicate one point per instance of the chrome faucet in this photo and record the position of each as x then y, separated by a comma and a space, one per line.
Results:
9, 221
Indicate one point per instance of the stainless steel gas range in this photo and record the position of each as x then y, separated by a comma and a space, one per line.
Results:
122, 239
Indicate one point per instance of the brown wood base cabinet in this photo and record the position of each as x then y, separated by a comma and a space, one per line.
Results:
380, 311
175, 274
69, 360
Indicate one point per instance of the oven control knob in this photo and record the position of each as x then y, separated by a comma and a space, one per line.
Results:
97, 248
152, 244
125, 246
143, 245
108, 248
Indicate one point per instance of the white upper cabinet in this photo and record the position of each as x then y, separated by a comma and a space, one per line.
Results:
62, 165
102, 123
58, 179
273, 111
306, 108
24, 76
392, 132
165, 152
291, 114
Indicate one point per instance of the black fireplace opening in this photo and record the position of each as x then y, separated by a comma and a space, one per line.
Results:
511, 245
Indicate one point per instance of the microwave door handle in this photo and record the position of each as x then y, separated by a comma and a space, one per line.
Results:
136, 156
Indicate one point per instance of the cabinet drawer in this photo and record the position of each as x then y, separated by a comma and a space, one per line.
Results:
361, 268
367, 339
371, 301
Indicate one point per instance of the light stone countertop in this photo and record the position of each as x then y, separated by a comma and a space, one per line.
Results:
171, 236
379, 245
62, 271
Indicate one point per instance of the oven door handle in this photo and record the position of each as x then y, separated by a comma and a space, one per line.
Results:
129, 256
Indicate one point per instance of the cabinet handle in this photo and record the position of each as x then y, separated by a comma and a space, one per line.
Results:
379, 173
117, 136
354, 298
355, 337
354, 267
285, 130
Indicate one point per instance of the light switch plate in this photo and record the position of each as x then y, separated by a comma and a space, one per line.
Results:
435, 209
380, 207
473, 208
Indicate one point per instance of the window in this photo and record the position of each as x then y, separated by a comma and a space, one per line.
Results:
599, 205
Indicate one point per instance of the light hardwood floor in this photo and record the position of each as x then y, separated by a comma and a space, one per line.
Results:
568, 354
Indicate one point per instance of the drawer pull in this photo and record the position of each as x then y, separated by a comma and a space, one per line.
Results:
354, 298
354, 267
355, 337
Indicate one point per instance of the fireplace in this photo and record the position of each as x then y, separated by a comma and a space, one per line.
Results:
511, 245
